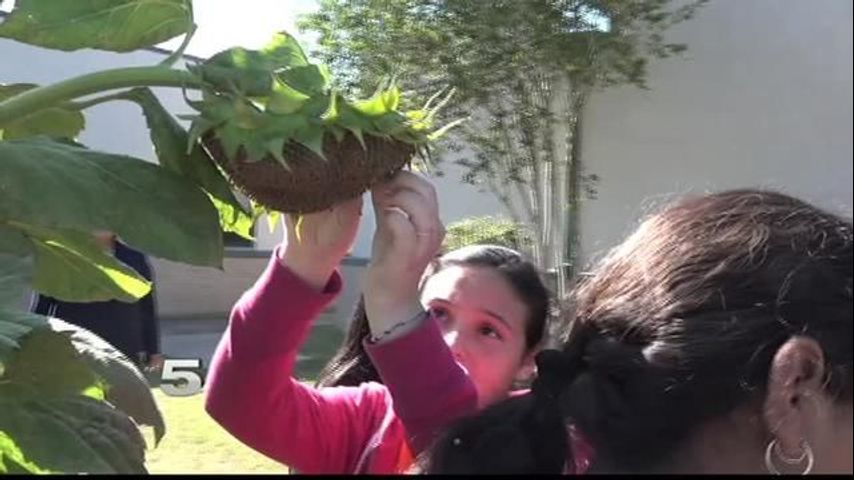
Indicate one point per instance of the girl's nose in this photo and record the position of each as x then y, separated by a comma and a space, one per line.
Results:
452, 339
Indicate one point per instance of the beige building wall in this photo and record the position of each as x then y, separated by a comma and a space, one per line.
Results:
762, 99
188, 292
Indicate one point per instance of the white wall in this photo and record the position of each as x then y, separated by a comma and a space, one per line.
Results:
115, 126
763, 98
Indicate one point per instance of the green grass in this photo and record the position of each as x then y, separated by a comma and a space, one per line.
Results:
320, 346
195, 443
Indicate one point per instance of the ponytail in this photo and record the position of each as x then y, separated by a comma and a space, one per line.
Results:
584, 385
521, 435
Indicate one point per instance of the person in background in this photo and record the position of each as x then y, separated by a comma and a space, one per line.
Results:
133, 328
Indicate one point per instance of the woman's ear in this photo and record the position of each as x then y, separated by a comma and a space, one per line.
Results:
795, 386
528, 369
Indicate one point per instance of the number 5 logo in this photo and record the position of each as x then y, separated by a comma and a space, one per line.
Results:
181, 383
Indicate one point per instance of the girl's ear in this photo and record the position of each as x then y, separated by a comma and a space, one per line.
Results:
528, 369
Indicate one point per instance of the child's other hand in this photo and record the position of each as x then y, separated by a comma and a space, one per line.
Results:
324, 239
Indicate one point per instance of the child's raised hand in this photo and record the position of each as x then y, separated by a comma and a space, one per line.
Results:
409, 234
315, 245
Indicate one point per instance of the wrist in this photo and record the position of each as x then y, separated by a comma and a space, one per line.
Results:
388, 321
399, 329
312, 269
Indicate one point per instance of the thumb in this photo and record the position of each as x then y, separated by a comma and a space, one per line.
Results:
395, 235
378, 194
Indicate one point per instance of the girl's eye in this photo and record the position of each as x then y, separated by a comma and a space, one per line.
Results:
439, 313
488, 331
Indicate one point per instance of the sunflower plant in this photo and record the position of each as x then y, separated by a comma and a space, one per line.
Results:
266, 122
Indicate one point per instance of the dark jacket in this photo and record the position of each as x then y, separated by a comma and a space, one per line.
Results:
130, 327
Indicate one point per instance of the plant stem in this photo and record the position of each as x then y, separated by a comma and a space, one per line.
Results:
38, 98
83, 105
171, 59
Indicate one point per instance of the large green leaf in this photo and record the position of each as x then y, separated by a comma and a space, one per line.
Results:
72, 267
150, 208
15, 276
251, 72
286, 51
12, 459
47, 364
126, 389
16, 273
170, 140
113, 25
375, 106
15, 325
233, 219
311, 79
54, 121
16, 266
73, 434
51, 409
312, 138
13, 241
284, 99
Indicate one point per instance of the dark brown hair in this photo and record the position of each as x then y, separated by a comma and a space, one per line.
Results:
678, 325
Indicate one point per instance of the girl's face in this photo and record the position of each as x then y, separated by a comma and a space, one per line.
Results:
483, 320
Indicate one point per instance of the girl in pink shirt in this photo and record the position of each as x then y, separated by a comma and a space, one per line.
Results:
436, 345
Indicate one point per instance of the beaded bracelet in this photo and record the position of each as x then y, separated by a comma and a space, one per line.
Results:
376, 339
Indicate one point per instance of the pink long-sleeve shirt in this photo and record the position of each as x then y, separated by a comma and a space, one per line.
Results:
251, 391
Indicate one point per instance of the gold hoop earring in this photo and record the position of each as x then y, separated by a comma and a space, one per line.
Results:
773, 450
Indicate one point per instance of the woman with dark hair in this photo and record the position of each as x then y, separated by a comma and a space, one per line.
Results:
716, 339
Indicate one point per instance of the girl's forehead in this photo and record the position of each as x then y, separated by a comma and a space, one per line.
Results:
475, 287
461, 281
